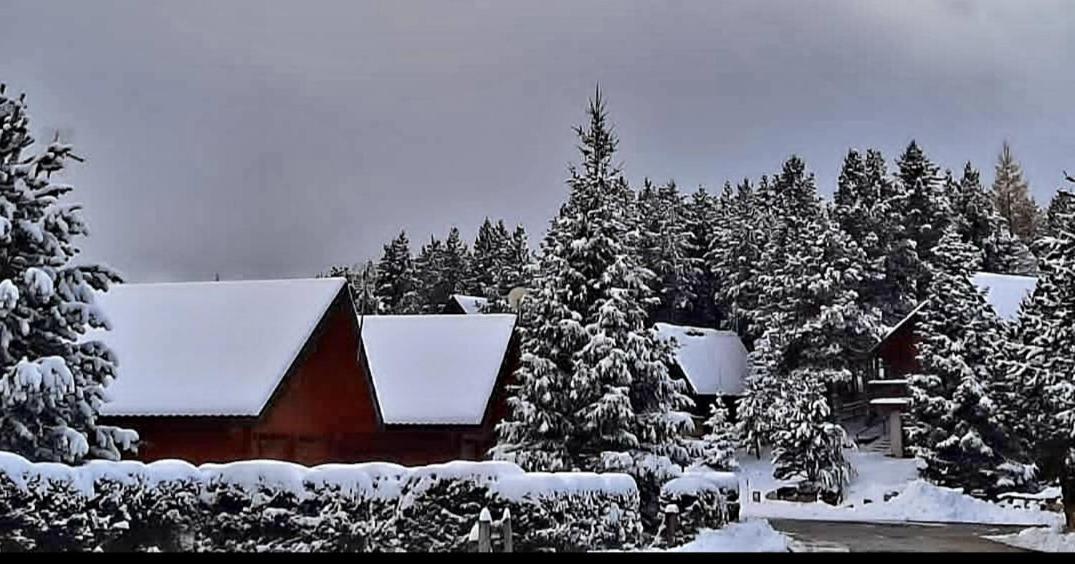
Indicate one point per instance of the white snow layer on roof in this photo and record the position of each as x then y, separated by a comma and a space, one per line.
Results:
1005, 292
715, 362
470, 304
435, 369
207, 348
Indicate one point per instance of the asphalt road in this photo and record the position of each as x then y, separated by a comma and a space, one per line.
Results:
831, 536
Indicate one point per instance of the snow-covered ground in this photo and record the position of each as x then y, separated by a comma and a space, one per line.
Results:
877, 475
1041, 539
755, 535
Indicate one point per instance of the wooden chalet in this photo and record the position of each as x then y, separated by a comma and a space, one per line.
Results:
284, 369
713, 363
894, 357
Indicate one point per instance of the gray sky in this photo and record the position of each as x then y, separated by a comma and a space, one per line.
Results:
266, 139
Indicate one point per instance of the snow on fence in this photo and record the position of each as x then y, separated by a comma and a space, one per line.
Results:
279, 506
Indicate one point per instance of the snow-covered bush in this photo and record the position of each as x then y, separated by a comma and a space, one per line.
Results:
278, 506
570, 511
704, 499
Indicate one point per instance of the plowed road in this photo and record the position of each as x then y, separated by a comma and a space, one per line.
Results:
830, 536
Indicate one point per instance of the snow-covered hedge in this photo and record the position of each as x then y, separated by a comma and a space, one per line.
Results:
279, 506
703, 499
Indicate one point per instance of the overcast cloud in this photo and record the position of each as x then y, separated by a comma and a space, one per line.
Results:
261, 139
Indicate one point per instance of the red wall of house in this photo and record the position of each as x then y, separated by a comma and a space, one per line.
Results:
898, 352
324, 412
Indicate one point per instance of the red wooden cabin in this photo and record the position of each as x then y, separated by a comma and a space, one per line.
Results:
284, 369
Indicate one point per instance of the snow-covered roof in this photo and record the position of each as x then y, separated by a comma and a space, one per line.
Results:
207, 348
470, 304
435, 369
714, 362
1005, 292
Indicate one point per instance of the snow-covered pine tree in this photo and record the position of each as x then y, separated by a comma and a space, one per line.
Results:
1042, 357
515, 272
815, 330
484, 259
981, 226
455, 263
957, 426
926, 212
1012, 199
701, 216
1060, 208
515, 263
741, 232
721, 440
397, 281
593, 378
487, 259
808, 444
667, 251
430, 289
52, 386
860, 208
763, 384
364, 289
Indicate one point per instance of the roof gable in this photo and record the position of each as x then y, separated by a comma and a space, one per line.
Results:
714, 362
208, 348
470, 304
435, 369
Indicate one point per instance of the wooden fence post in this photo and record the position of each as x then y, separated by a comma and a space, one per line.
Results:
485, 531
505, 531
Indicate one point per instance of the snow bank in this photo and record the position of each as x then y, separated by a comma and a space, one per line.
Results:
1041, 539
748, 536
920, 501
877, 476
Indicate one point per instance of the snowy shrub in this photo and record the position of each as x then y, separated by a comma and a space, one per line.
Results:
650, 472
270, 506
704, 500
570, 512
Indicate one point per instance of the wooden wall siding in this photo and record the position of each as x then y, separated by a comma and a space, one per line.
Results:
898, 352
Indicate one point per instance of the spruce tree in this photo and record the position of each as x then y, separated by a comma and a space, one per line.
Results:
52, 384
1012, 199
721, 440
735, 255
397, 281
926, 213
430, 290
455, 263
364, 289
860, 209
593, 389
667, 250
815, 331
957, 424
981, 226
701, 217
1042, 358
